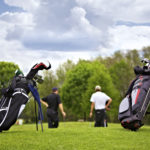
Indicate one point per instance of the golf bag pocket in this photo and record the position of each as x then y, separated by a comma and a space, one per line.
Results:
22, 107
124, 108
134, 95
4, 106
139, 92
124, 105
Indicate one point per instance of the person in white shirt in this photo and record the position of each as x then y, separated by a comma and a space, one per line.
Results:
100, 101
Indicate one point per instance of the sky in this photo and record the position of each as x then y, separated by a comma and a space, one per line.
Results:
32, 31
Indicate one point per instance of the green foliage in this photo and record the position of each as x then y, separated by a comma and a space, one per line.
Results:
111, 60
61, 71
80, 83
102, 77
146, 52
133, 58
75, 136
7, 71
50, 81
122, 75
74, 86
121, 66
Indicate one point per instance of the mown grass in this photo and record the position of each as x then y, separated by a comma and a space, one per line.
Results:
75, 136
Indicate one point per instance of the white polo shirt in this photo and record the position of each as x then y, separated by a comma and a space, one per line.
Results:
100, 99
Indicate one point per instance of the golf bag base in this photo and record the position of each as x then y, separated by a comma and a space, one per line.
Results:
133, 125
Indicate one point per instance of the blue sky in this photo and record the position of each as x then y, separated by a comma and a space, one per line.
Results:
32, 31
4, 7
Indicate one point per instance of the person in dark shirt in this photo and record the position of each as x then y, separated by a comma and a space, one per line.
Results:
52, 102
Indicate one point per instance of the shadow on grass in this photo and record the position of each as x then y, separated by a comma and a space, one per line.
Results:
13, 132
143, 129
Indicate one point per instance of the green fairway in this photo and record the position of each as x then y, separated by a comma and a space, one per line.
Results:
75, 136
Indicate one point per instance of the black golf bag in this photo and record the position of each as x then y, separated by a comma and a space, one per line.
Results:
11, 108
133, 107
15, 97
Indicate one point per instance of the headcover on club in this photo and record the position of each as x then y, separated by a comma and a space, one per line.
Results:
34, 70
41, 66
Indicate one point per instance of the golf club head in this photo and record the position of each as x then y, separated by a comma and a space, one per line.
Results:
146, 63
145, 60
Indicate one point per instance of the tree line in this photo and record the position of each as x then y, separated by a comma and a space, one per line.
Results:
76, 82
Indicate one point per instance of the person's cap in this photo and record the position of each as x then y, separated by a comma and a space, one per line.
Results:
54, 89
97, 87
18, 72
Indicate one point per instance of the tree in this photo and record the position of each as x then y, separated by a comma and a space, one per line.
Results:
62, 70
74, 85
50, 81
7, 72
133, 58
109, 61
122, 75
146, 52
80, 83
102, 77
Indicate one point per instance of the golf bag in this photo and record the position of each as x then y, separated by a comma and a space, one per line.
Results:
15, 97
133, 107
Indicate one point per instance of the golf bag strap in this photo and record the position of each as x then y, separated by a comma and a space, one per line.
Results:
131, 86
20, 91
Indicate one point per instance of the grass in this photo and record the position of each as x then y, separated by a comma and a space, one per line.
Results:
74, 136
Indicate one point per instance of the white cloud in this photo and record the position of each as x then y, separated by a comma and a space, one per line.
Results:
27, 58
117, 9
16, 24
27, 5
130, 37
48, 29
82, 24
17, 18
